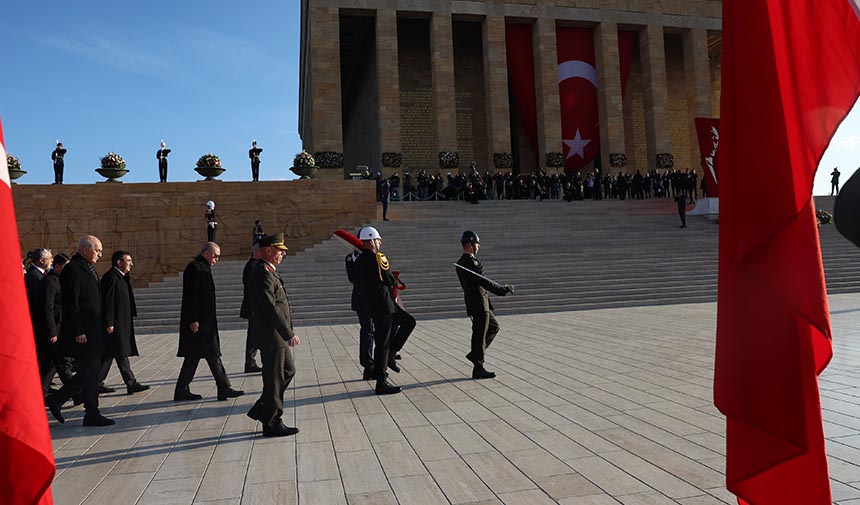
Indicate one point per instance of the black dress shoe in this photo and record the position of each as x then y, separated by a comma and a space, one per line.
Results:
479, 372
397, 356
105, 389
384, 388
179, 397
279, 430
54, 406
253, 368
97, 420
229, 393
136, 387
393, 366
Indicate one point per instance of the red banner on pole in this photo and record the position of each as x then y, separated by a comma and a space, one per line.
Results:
708, 130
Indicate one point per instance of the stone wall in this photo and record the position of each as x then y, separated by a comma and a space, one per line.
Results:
418, 131
163, 225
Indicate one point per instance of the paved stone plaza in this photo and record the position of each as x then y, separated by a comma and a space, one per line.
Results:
589, 408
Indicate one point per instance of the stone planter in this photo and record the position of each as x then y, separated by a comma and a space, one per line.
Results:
112, 174
16, 174
210, 173
304, 172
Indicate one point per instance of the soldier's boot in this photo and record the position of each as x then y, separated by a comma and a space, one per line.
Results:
479, 372
384, 388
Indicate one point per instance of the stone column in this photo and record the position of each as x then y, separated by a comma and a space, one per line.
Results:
324, 43
609, 103
388, 84
546, 89
697, 78
442, 57
496, 88
656, 93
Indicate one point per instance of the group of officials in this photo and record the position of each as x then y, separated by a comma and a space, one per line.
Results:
84, 322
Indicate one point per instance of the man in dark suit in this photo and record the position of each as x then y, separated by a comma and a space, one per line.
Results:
198, 327
47, 327
273, 334
81, 330
365, 333
254, 154
58, 156
161, 155
376, 283
478, 304
119, 310
245, 310
40, 264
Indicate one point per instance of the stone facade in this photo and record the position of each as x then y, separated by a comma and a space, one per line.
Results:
163, 225
443, 64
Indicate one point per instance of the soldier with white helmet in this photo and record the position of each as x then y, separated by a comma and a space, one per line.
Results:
376, 283
211, 222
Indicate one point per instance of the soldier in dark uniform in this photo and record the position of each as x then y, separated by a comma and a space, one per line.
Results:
376, 283
198, 327
211, 222
161, 154
681, 198
58, 155
245, 310
834, 181
47, 327
478, 305
119, 310
365, 334
254, 154
273, 334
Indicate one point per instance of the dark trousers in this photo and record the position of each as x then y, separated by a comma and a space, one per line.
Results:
484, 330
58, 172
834, 186
124, 370
385, 207
278, 371
682, 213
388, 344
162, 171
189, 368
250, 349
365, 339
84, 382
50, 364
255, 171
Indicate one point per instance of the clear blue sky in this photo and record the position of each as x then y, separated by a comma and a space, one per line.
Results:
204, 76
120, 76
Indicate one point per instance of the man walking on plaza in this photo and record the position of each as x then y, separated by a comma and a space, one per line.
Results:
478, 304
245, 309
119, 309
273, 334
365, 332
81, 331
376, 283
47, 327
198, 327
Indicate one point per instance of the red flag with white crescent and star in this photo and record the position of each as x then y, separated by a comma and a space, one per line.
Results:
27, 462
577, 86
790, 76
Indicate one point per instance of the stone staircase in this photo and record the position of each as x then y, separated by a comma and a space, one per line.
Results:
560, 256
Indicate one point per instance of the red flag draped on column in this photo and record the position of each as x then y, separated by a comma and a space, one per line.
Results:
26, 458
791, 72
521, 72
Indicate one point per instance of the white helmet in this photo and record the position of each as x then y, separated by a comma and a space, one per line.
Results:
368, 233
210, 204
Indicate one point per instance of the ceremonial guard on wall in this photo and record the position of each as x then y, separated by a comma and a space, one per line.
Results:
273, 335
478, 305
59, 164
211, 222
254, 154
376, 283
161, 155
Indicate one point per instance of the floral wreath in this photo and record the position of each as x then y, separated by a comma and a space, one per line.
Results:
209, 160
113, 161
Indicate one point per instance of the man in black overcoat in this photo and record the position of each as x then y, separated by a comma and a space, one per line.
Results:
47, 327
198, 327
376, 283
245, 310
41, 262
119, 311
273, 334
478, 304
81, 330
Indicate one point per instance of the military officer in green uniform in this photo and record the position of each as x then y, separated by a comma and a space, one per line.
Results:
478, 305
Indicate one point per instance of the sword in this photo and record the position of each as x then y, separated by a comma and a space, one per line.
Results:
476, 274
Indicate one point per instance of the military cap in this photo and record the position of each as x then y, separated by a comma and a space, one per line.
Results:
469, 237
276, 240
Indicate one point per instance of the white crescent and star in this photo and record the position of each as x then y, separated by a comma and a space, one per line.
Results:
569, 70
4, 170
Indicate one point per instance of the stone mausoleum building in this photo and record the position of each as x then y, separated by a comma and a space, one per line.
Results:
408, 85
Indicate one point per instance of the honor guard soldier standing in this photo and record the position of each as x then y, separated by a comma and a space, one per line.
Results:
478, 305
273, 334
211, 222
376, 284
161, 154
254, 154
58, 155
